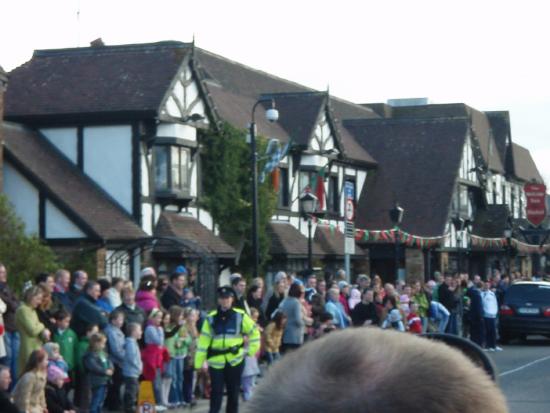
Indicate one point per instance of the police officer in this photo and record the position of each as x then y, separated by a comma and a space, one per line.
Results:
222, 344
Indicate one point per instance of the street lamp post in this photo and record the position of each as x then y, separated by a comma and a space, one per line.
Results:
308, 206
271, 115
396, 216
458, 223
508, 235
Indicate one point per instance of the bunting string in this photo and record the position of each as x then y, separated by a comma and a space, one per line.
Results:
416, 241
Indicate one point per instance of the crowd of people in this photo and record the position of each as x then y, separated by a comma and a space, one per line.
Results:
72, 344
450, 303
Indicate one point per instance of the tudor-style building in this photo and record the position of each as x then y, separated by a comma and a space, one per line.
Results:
311, 122
122, 121
103, 151
444, 166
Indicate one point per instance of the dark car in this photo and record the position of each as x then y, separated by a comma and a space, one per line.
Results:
525, 310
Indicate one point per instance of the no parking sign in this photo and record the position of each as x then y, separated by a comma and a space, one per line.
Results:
349, 215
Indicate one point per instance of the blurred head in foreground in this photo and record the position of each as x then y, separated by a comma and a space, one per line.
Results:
369, 370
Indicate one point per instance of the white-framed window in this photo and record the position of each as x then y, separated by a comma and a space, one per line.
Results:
172, 168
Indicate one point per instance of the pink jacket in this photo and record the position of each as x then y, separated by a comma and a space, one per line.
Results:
146, 300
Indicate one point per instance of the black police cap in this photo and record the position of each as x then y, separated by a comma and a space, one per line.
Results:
225, 292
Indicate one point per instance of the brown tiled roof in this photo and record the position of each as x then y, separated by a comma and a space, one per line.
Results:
500, 125
525, 167
332, 241
98, 80
489, 149
235, 88
3, 76
478, 121
78, 196
110, 82
172, 224
419, 161
308, 105
287, 240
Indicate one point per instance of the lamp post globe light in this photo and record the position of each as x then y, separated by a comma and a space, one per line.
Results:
271, 114
308, 206
396, 217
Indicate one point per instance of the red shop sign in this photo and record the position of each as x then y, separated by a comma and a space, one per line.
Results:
536, 203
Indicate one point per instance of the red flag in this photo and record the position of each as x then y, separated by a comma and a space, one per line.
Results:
320, 189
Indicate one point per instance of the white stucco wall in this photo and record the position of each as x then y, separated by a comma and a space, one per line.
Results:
193, 179
206, 219
146, 218
58, 225
144, 159
108, 160
184, 97
23, 196
65, 139
176, 130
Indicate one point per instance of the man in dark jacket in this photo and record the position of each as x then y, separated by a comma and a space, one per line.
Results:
11, 336
61, 289
239, 286
449, 297
475, 314
86, 311
80, 278
364, 313
6, 405
173, 295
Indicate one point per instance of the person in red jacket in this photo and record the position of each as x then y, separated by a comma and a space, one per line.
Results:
413, 319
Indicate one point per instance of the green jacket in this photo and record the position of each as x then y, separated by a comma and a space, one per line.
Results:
423, 304
224, 336
435, 293
177, 342
68, 343
81, 349
29, 327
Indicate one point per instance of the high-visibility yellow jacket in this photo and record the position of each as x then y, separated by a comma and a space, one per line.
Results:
222, 339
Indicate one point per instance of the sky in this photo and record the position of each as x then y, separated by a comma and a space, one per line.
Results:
491, 55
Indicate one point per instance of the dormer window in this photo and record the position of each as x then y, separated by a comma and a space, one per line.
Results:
172, 169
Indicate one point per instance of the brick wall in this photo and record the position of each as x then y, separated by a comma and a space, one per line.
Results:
3, 83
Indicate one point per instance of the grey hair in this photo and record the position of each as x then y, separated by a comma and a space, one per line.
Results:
370, 370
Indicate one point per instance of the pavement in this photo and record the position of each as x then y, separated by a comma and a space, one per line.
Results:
523, 374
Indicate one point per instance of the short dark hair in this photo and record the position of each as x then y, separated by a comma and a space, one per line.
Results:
236, 280
131, 327
89, 285
104, 284
358, 369
116, 280
295, 290
42, 277
61, 314
115, 314
175, 275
